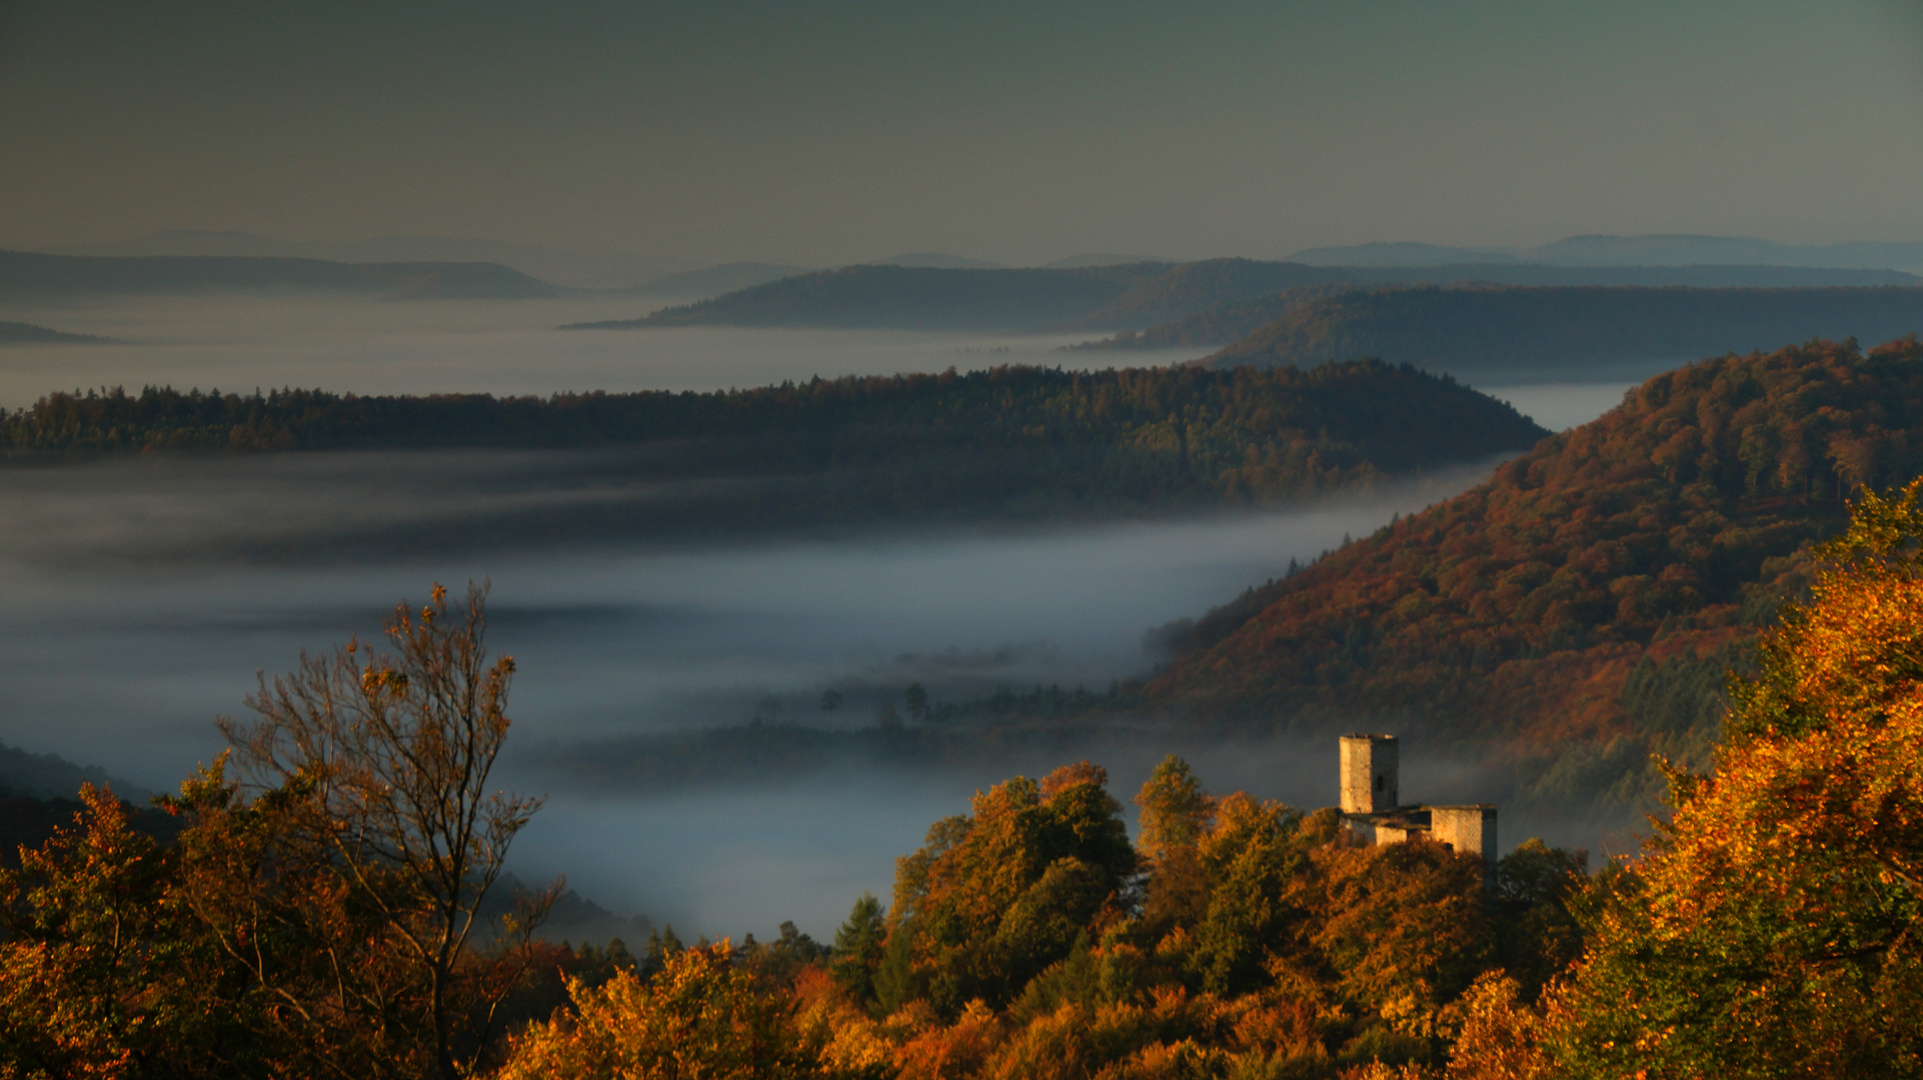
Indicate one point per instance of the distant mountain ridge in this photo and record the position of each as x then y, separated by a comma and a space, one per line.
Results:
39, 275
1131, 295
937, 260
1668, 249
569, 268
1550, 329
19, 333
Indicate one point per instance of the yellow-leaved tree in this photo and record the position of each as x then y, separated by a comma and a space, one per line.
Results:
701, 1015
1775, 928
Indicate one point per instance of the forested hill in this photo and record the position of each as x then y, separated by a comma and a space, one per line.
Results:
1587, 592
1543, 329
1242, 432
1134, 295
31, 274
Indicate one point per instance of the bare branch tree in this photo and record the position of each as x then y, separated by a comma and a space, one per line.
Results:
379, 760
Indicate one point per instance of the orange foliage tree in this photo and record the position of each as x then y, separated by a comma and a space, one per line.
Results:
1773, 928
323, 919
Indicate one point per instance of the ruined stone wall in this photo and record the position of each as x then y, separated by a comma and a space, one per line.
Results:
1470, 830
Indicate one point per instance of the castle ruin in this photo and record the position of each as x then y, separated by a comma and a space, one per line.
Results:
1372, 803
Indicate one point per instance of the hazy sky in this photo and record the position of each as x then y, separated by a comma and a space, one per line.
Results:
828, 132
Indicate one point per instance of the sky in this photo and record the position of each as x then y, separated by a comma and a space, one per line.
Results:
830, 132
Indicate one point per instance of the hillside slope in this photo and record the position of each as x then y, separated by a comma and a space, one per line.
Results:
1537, 329
1592, 589
32, 274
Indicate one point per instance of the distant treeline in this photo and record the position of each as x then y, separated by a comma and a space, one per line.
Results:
33, 274
1146, 436
1542, 328
1135, 295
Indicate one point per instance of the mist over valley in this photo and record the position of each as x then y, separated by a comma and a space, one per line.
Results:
131, 625
192, 572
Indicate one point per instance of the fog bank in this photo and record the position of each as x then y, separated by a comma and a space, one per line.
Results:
238, 343
144, 594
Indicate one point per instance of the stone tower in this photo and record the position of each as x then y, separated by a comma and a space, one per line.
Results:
1369, 766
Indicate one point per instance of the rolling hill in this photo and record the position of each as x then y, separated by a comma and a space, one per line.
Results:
1592, 593
1029, 444
1544, 329
1134, 295
29, 274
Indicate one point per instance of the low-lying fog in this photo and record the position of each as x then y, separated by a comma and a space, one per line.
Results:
345, 343
129, 623
118, 647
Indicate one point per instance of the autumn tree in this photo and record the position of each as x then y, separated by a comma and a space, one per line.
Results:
103, 971
1772, 929
345, 869
1175, 814
997, 895
701, 1016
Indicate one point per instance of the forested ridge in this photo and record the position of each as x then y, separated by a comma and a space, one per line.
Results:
1593, 592
1143, 435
